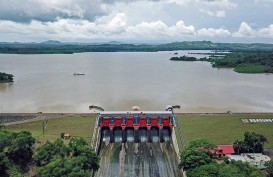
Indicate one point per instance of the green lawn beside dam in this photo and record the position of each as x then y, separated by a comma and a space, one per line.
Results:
219, 128
75, 125
223, 128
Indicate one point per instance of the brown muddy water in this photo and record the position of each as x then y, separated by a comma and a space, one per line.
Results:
118, 81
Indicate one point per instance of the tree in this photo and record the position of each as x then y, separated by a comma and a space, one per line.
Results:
4, 77
208, 170
4, 164
15, 152
198, 153
192, 158
58, 159
252, 142
238, 169
20, 148
202, 143
240, 146
269, 168
45, 153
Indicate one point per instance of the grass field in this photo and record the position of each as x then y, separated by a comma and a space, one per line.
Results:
218, 128
76, 126
223, 128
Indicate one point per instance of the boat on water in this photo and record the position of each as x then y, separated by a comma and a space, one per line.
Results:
78, 74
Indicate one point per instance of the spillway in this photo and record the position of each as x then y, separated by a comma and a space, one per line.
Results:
138, 160
137, 146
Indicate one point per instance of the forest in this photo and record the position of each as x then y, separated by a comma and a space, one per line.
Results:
70, 48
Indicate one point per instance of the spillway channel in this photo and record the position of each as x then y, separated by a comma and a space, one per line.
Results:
142, 159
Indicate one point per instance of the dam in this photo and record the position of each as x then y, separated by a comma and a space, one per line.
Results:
137, 144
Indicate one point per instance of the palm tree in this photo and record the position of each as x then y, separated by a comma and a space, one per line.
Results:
239, 146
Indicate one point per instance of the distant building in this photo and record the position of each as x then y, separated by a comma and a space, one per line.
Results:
223, 150
256, 159
237, 158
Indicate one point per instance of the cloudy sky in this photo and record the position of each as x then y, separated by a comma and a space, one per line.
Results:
136, 20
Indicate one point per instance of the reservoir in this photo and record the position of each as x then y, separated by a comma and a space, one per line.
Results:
119, 80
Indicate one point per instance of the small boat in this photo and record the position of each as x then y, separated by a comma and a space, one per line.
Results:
78, 74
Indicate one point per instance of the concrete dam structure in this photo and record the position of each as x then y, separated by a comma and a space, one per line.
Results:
137, 144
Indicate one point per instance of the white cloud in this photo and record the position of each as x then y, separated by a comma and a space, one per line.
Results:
159, 29
263, 1
245, 31
211, 32
220, 13
207, 12
181, 29
115, 27
266, 32
225, 4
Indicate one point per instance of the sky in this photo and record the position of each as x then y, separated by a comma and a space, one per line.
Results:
144, 21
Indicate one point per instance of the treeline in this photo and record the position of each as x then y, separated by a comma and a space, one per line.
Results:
69, 48
246, 62
187, 58
184, 58
18, 156
252, 143
4, 77
242, 62
199, 161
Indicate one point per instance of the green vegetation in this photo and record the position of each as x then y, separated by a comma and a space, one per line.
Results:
76, 126
252, 143
53, 157
184, 58
242, 62
198, 161
196, 154
269, 168
15, 152
55, 47
222, 128
57, 159
246, 62
251, 68
238, 169
4, 77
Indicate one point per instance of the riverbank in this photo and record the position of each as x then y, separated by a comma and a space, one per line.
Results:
70, 48
251, 62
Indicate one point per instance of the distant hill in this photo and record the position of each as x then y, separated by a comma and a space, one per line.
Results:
51, 42
57, 47
115, 42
